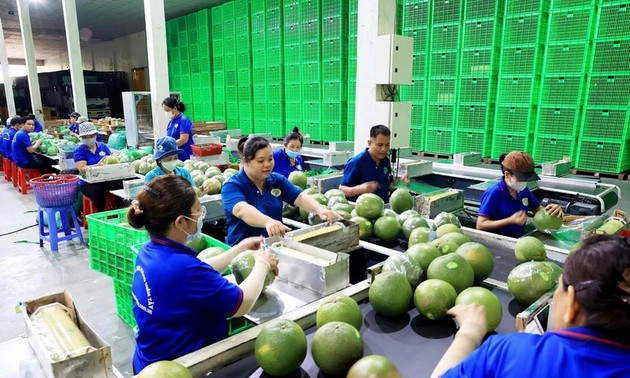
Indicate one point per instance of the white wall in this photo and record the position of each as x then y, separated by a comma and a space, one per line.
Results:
120, 54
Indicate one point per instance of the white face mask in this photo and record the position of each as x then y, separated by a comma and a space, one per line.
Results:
202, 215
517, 185
89, 141
169, 165
169, 115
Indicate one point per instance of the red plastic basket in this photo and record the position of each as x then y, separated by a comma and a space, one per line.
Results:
55, 190
207, 149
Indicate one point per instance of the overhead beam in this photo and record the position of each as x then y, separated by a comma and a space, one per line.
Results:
22, 62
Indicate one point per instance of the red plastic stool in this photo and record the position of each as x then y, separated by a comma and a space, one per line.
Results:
8, 168
88, 206
23, 177
14, 174
2, 165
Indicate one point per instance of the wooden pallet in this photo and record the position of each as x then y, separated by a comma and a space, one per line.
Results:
619, 176
433, 155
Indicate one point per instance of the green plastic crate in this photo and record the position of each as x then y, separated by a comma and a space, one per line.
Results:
552, 148
439, 140
291, 13
311, 92
415, 14
517, 119
333, 112
311, 111
445, 37
446, 11
333, 131
124, 303
613, 21
310, 10
275, 110
612, 56
417, 140
245, 110
293, 111
334, 49
273, 37
310, 72
474, 90
231, 109
257, 23
311, 52
313, 128
442, 90
558, 121
333, 91
517, 7
562, 4
564, 58
413, 93
273, 19
524, 30
479, 33
310, 31
291, 33
444, 64
609, 90
519, 61
260, 111
563, 90
504, 143
335, 26
334, 70
474, 117
472, 141
478, 63
482, 9
516, 91
605, 156
571, 25
440, 117
420, 38
417, 116
292, 55
606, 123
418, 70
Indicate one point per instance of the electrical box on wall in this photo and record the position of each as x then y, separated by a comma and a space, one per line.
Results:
396, 116
394, 59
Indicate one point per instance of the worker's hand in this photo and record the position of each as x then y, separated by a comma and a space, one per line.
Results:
250, 244
520, 218
370, 186
267, 258
101, 162
276, 228
38, 142
329, 215
470, 317
554, 210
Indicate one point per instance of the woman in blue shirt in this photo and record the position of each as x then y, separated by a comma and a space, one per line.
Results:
165, 156
590, 317
92, 152
180, 302
179, 126
288, 159
75, 121
253, 197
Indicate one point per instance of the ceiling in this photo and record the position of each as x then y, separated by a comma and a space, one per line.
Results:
99, 20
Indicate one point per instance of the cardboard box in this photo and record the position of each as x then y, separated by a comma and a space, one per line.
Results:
101, 173
131, 188
95, 363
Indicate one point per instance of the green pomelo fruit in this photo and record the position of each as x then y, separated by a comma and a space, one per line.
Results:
529, 248
387, 228
280, 347
446, 228
401, 200
545, 222
411, 224
433, 298
445, 246
339, 308
332, 201
298, 178
390, 294
336, 346
456, 237
373, 366
444, 218
288, 210
334, 193
530, 280
423, 254
408, 214
369, 206
453, 269
242, 265
165, 369
365, 227
557, 269
479, 257
342, 207
402, 263
419, 235
483, 297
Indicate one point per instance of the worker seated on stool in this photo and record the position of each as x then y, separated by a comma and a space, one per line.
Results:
165, 156
23, 151
75, 121
91, 152
504, 206
14, 124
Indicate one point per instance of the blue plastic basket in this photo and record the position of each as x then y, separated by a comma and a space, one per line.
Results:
55, 190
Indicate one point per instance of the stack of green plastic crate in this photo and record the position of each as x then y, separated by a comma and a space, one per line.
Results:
564, 70
353, 13
481, 36
524, 33
243, 69
259, 65
274, 45
292, 79
179, 60
218, 64
415, 24
230, 65
443, 65
604, 144
200, 66
311, 67
334, 69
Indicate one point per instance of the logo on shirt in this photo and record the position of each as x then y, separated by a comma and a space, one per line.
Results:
525, 201
148, 307
276, 192
176, 125
386, 170
102, 153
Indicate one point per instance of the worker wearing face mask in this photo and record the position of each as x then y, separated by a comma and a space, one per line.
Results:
165, 155
288, 159
92, 152
504, 206
179, 126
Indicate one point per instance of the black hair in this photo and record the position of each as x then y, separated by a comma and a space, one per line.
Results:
379, 130
17, 120
161, 201
295, 134
597, 270
75, 114
241, 144
253, 145
173, 103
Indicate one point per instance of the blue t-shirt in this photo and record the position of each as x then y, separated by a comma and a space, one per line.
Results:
497, 203
180, 303
362, 168
239, 188
74, 127
7, 141
83, 153
157, 171
283, 166
573, 352
178, 126
20, 154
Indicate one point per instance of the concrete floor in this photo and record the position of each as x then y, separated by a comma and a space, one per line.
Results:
29, 272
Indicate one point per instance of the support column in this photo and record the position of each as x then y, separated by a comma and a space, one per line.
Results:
158, 62
29, 57
376, 17
8, 83
75, 60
